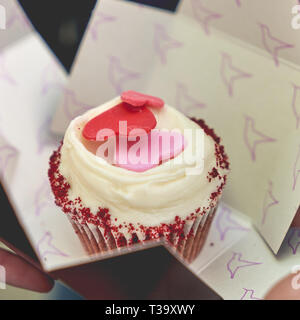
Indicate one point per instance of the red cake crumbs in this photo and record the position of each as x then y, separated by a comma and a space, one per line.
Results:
102, 217
216, 194
214, 173
210, 132
222, 158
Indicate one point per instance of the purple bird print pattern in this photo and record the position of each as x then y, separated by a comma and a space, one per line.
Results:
253, 137
43, 198
236, 263
296, 169
185, 102
118, 75
249, 294
271, 44
238, 3
296, 105
46, 247
225, 223
72, 106
204, 15
231, 73
294, 239
163, 42
269, 201
100, 19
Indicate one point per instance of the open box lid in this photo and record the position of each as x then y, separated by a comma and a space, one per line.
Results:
269, 25
239, 262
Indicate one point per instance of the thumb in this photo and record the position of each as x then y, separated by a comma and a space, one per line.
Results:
20, 273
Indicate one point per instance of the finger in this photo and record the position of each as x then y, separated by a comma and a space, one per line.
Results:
296, 221
21, 254
286, 289
20, 273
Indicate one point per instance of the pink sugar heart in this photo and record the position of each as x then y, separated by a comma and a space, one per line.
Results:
138, 100
149, 151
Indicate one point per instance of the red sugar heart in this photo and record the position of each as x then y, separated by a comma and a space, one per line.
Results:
141, 119
138, 100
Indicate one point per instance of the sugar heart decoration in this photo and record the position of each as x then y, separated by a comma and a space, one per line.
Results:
110, 119
151, 151
138, 100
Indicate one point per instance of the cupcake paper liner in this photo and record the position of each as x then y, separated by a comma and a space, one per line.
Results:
188, 246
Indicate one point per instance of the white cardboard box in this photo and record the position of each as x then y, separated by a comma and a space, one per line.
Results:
246, 89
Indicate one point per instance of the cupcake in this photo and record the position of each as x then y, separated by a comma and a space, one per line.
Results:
136, 170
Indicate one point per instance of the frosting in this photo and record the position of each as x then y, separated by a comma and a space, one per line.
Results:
147, 198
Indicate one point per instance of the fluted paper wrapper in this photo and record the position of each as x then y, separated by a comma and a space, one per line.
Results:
94, 240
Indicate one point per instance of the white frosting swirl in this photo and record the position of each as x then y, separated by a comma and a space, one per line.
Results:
149, 198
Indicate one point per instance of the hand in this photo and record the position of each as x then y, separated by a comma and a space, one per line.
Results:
22, 273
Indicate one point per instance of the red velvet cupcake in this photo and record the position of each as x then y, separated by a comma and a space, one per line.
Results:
135, 170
